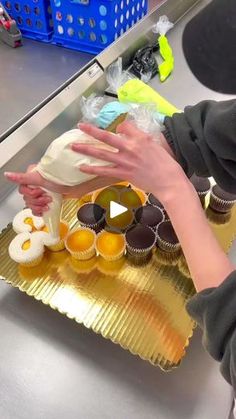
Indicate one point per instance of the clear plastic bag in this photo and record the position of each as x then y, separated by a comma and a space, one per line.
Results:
90, 107
146, 118
162, 26
116, 77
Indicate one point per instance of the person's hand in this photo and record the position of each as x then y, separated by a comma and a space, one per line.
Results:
36, 198
138, 159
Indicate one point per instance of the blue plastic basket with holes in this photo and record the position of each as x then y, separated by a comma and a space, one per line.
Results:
33, 17
91, 25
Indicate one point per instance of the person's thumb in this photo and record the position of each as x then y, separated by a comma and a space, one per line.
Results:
29, 178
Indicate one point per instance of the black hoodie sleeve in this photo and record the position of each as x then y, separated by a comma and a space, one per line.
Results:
203, 139
214, 309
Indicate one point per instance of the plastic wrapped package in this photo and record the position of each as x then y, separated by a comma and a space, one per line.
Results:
116, 77
146, 118
144, 63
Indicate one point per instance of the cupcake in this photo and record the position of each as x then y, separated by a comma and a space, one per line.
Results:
25, 221
221, 201
202, 186
132, 198
63, 230
103, 197
120, 223
140, 241
80, 243
154, 201
149, 216
92, 216
167, 240
27, 249
110, 246
218, 217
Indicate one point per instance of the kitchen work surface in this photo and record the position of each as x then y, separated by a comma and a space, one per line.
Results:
29, 74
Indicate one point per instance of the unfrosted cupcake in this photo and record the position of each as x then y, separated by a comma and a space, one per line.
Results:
120, 223
202, 186
166, 238
220, 200
92, 216
103, 197
133, 198
140, 241
149, 215
110, 246
81, 243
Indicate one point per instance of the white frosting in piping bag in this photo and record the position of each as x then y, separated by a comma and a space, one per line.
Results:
60, 164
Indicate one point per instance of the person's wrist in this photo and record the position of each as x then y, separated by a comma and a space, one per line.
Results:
182, 191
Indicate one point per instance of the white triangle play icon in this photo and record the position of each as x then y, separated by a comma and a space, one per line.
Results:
116, 209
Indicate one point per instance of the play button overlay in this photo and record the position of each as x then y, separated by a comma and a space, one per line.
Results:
116, 209
120, 203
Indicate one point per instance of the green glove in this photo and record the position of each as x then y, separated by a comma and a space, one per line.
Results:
136, 91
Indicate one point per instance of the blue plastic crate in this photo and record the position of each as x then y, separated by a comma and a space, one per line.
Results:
33, 17
91, 25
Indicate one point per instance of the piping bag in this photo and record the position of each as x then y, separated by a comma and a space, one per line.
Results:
162, 27
60, 165
132, 90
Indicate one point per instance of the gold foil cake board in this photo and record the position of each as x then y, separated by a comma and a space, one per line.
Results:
140, 308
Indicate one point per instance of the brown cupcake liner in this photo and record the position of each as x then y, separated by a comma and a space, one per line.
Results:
220, 205
167, 258
166, 246
218, 217
140, 252
139, 260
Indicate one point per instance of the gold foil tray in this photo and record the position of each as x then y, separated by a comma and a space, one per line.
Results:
140, 308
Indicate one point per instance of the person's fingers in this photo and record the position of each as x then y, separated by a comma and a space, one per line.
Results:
98, 153
106, 171
33, 192
44, 200
31, 167
104, 136
29, 178
129, 129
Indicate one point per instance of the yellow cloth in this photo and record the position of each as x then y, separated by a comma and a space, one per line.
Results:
136, 91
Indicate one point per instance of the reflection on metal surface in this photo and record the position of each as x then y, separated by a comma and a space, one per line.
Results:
140, 308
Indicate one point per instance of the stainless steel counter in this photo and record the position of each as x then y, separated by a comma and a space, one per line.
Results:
50, 367
30, 74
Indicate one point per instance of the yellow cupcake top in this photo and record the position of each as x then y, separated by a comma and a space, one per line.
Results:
80, 240
109, 243
133, 198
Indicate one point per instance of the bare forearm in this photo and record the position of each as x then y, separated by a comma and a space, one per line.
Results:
207, 262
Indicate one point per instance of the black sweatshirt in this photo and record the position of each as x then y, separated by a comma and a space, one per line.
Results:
203, 139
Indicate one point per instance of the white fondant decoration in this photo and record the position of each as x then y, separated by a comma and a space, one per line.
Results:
38, 241
19, 225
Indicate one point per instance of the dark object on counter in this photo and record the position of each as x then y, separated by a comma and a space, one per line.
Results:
209, 44
221, 201
144, 62
202, 186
